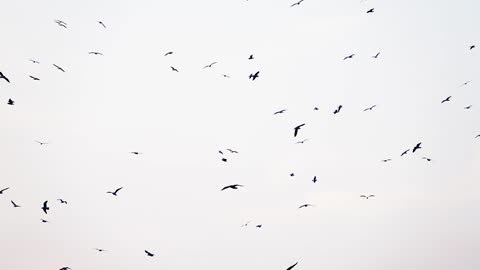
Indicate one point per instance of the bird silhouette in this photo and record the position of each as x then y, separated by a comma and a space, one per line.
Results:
65, 268
102, 24
297, 3
468, 107
115, 192
168, 53
224, 160
371, 10
225, 76
302, 141
405, 152
100, 250
472, 47
367, 197
305, 205
34, 61
370, 108
338, 109
292, 266
232, 151
235, 186
417, 147
174, 69
34, 78
465, 83
315, 109
95, 53
280, 112
259, 226
246, 224
61, 23
478, 136
149, 253
219, 151
10, 102
292, 174
296, 129
3, 190
4, 77
254, 76
45, 208
41, 143
426, 158
386, 160
250, 57
349, 57
59, 68
210, 65
447, 99
136, 153
14, 204
376, 55
314, 180
62, 201
44, 220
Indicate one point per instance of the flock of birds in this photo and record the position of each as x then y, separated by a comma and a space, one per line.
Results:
45, 207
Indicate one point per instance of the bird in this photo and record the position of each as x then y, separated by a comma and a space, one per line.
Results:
43, 220
468, 107
45, 208
245, 225
417, 147
296, 129
297, 3
370, 10
59, 68
225, 76
5, 189
136, 153
349, 57
41, 143
10, 102
235, 186
95, 53
62, 201
4, 77
65, 268
386, 160
338, 109
115, 192
168, 53
232, 151
472, 47
14, 204
149, 253
100, 250
292, 174
314, 180
305, 205
102, 24
405, 152
61, 23
34, 61
376, 55
280, 112
250, 57
370, 108
428, 159
292, 266
478, 136
220, 151
465, 83
34, 78
367, 197
447, 99
303, 141
315, 109
254, 76
174, 69
224, 159
259, 226
210, 65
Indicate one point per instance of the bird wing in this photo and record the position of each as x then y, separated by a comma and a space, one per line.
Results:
4, 189
118, 189
292, 266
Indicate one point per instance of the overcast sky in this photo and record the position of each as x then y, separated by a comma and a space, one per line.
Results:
424, 215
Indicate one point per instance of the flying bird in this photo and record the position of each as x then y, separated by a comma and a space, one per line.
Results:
224, 159
136, 153
59, 68
168, 53
386, 160
33, 61
297, 3
305, 205
405, 152
61, 23
95, 53
472, 47
338, 109
34, 78
62, 201
428, 159
10, 102
149, 253
232, 151
314, 180
65, 268
5, 189
246, 224
4, 77
259, 226
250, 57
235, 186
209, 66
41, 143
225, 76
370, 10
315, 109
370, 108
45, 208
465, 83
478, 136
367, 197
349, 57
280, 112
376, 55
468, 107
102, 24
115, 192
14, 204
292, 266
100, 250
219, 151
254, 76
417, 147
292, 174
303, 141
44, 220
447, 99
296, 129
174, 69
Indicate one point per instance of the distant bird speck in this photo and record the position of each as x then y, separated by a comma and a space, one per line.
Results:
4, 77
296, 129
254, 76
235, 186
114, 193
447, 99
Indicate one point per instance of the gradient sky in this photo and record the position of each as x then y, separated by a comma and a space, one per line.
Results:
424, 216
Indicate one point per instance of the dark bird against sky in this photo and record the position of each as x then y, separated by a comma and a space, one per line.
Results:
45, 208
296, 129
235, 186
114, 193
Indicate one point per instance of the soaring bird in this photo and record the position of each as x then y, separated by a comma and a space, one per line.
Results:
254, 76
292, 174
235, 186
5, 189
149, 253
246, 224
34, 61
259, 226
136, 153
250, 57
232, 151
468, 107
34, 78
14, 204
102, 24
338, 109
302, 141
280, 112
292, 266
59, 68
168, 53
220, 151
465, 83
472, 47
4, 77
10, 102
305, 205
478, 136
210, 65
297, 3
62, 201
44, 220
225, 76
371, 10
65, 268
386, 160
314, 180
100, 250
296, 129
428, 159
376, 55
315, 109
61, 23
447, 99
349, 57
367, 197
370, 108
417, 147
95, 53
41, 143
115, 192
45, 208
224, 160
174, 69
405, 152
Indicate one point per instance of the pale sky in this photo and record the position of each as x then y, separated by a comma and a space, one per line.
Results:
424, 215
